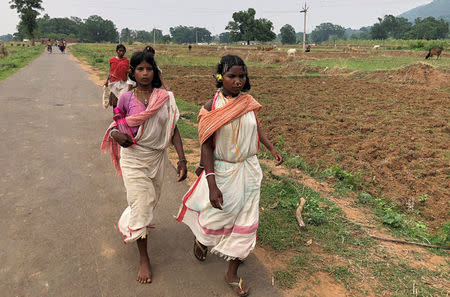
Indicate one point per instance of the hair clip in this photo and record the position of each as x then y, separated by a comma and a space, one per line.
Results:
218, 77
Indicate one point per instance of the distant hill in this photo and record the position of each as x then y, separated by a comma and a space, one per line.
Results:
439, 9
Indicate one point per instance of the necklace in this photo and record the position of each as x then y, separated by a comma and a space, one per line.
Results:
144, 93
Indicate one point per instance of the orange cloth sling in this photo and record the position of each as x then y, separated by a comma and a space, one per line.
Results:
210, 121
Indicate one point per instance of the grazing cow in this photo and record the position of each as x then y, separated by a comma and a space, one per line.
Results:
291, 52
436, 51
376, 47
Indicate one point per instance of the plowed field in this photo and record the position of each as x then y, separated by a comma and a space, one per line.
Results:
393, 126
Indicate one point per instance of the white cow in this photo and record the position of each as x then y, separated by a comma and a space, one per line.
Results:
376, 46
291, 52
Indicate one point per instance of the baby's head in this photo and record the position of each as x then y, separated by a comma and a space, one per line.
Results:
225, 64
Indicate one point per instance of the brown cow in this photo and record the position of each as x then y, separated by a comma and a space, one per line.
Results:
436, 51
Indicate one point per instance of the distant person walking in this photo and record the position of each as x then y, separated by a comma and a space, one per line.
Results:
49, 46
117, 76
152, 114
222, 207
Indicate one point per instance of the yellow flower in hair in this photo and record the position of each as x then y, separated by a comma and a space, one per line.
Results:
219, 77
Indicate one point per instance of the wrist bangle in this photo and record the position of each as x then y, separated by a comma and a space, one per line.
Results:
110, 132
208, 174
182, 160
200, 166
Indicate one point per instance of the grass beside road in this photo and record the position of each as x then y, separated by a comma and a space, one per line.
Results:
18, 57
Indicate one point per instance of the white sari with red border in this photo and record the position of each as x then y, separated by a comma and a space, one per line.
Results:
230, 232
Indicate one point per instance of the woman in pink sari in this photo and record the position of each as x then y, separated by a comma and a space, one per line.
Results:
152, 115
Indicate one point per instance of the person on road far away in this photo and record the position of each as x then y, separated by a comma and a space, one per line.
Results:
222, 206
152, 115
117, 77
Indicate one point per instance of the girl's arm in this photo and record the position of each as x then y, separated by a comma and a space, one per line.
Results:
263, 138
181, 164
215, 195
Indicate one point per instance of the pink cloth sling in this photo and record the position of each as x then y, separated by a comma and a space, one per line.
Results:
157, 100
211, 121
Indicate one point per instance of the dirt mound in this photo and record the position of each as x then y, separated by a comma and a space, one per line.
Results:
419, 73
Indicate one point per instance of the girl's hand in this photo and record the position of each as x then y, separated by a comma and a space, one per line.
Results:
277, 156
122, 139
215, 197
199, 170
181, 170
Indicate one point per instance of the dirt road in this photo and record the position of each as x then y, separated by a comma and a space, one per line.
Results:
60, 200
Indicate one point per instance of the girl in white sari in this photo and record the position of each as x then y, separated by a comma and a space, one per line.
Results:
152, 116
229, 173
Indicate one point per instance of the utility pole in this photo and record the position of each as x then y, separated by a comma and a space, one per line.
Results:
196, 36
304, 10
154, 36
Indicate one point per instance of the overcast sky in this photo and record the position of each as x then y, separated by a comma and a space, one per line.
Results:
214, 15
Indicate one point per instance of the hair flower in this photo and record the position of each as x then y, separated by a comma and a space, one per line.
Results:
219, 77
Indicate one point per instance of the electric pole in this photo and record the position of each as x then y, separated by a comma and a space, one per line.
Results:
154, 36
304, 10
196, 36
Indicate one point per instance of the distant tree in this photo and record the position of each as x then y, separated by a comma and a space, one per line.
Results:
96, 29
362, 33
28, 11
125, 36
144, 36
245, 27
7, 37
429, 28
325, 30
287, 33
391, 27
57, 27
183, 34
224, 37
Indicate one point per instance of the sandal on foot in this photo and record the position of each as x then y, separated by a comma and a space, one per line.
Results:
238, 285
200, 251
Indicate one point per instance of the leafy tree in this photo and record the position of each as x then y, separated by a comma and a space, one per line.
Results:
57, 27
144, 36
125, 35
245, 27
96, 29
224, 37
391, 27
325, 30
362, 33
288, 34
28, 11
7, 37
378, 32
429, 28
184, 34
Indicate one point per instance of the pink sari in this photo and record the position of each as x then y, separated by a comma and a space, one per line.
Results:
157, 99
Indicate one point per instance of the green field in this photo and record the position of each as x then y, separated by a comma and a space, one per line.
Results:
18, 57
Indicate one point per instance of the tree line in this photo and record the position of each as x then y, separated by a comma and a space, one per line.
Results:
244, 27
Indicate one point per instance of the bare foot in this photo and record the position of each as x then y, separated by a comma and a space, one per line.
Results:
145, 271
238, 285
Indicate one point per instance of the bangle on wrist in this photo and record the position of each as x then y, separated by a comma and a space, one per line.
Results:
181, 160
112, 130
201, 166
208, 174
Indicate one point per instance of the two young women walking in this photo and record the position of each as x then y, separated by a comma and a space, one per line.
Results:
221, 207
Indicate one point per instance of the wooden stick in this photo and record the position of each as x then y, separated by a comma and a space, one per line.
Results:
299, 214
410, 242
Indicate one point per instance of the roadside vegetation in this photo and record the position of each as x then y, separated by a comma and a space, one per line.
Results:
17, 57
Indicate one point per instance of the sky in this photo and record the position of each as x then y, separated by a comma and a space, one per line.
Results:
215, 15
